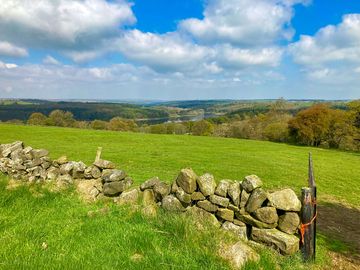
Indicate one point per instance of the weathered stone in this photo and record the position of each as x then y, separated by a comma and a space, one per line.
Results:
208, 206
233, 207
285, 199
247, 219
187, 180
256, 199
78, 170
244, 197
39, 153
33, 163
66, 168
61, 160
128, 197
115, 188
161, 190
289, 222
224, 202
104, 164
197, 196
92, 172
174, 187
203, 218
207, 184
250, 183
239, 231
149, 204
222, 188
8, 148
239, 223
183, 196
234, 193
149, 183
116, 176
172, 204
238, 254
267, 215
285, 243
225, 214
65, 179
88, 189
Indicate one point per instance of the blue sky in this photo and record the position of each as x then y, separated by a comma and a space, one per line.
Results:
180, 49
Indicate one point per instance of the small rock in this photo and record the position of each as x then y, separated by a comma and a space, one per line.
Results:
207, 184
174, 187
222, 188
61, 160
238, 254
250, 183
256, 199
161, 190
187, 180
239, 223
225, 214
224, 202
247, 219
233, 207
183, 196
202, 218
207, 206
287, 244
39, 153
239, 231
172, 204
149, 183
285, 199
197, 196
66, 168
149, 204
244, 198
234, 193
113, 176
267, 215
104, 164
289, 222
115, 188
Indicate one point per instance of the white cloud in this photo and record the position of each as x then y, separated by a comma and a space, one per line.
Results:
7, 65
166, 52
62, 24
49, 60
243, 22
331, 44
8, 49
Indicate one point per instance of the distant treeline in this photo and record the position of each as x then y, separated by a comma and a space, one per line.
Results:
86, 111
319, 125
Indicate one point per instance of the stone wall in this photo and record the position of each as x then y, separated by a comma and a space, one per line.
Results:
242, 207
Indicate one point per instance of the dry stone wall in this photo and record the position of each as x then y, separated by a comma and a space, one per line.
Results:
241, 207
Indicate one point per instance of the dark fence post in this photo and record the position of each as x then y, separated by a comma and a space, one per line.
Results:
308, 217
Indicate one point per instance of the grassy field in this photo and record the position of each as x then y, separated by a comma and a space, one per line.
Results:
43, 230
145, 155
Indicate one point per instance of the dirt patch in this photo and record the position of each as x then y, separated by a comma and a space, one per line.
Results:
342, 223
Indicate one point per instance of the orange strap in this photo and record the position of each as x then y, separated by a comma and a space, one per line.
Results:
303, 226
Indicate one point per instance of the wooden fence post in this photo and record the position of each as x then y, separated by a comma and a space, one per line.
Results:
308, 217
98, 154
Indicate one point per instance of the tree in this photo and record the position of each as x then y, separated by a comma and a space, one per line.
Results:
202, 128
98, 124
61, 119
119, 124
37, 119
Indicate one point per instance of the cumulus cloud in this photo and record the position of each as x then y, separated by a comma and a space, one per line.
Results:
243, 22
162, 52
331, 44
62, 24
49, 60
8, 49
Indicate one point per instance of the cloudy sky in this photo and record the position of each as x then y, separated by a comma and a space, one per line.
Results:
179, 49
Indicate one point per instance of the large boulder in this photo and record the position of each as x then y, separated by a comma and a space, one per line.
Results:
285, 243
187, 180
218, 200
267, 215
234, 193
250, 183
285, 199
207, 184
207, 206
239, 231
256, 199
222, 187
238, 254
172, 204
289, 222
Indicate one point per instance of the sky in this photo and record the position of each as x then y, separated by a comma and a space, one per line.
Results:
180, 49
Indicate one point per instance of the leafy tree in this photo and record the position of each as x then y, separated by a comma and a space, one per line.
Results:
61, 119
202, 128
98, 124
119, 124
37, 119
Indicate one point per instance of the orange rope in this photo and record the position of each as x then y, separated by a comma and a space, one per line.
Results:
303, 226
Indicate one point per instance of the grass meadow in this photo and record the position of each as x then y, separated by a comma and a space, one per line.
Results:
43, 230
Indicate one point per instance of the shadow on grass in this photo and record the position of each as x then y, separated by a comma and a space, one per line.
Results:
341, 227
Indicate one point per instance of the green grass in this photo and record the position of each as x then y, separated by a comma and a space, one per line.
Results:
145, 155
